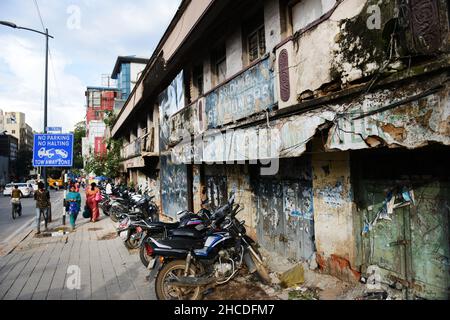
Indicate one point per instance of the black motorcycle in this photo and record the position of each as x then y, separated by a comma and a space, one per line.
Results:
188, 264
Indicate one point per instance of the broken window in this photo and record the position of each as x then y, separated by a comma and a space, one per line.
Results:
305, 12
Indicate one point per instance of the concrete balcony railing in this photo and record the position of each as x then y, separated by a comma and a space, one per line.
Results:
141, 146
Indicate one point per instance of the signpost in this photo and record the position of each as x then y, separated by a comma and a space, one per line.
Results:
54, 129
53, 150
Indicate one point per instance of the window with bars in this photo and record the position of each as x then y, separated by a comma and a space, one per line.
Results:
256, 44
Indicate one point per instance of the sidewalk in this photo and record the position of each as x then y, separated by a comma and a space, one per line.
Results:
38, 269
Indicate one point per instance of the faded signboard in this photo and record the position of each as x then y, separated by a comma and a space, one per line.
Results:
170, 101
248, 93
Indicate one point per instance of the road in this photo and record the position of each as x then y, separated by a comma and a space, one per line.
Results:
13, 231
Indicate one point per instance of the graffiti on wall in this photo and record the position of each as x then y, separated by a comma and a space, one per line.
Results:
248, 93
174, 187
285, 218
170, 102
334, 195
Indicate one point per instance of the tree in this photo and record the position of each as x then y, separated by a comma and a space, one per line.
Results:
79, 133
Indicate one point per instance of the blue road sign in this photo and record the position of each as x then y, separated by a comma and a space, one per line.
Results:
53, 150
54, 129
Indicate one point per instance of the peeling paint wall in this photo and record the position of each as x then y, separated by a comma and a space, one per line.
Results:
285, 212
333, 212
411, 125
234, 53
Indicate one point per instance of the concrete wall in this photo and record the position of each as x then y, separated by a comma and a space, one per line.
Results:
234, 52
333, 213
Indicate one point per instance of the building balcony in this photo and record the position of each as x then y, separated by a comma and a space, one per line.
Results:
141, 147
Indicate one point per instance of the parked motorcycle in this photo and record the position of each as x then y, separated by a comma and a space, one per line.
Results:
188, 223
187, 264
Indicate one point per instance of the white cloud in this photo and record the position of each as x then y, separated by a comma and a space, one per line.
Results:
22, 88
80, 56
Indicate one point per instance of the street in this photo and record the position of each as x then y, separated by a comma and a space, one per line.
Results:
89, 264
13, 231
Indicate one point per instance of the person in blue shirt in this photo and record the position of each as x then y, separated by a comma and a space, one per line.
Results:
73, 200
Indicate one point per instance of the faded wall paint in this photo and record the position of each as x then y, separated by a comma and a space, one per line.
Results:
234, 53
248, 93
285, 217
170, 101
333, 212
272, 24
411, 125
174, 184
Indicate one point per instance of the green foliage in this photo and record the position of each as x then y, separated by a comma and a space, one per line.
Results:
110, 119
79, 133
109, 164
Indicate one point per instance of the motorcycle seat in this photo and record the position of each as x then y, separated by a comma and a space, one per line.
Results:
185, 244
187, 233
165, 225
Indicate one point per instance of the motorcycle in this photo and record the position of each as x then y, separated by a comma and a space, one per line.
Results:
189, 225
187, 267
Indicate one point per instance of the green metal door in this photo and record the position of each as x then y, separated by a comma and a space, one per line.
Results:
384, 245
430, 242
411, 249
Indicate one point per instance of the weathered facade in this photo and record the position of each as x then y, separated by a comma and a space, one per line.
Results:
329, 119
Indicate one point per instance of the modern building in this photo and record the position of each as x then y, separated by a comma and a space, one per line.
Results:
8, 157
328, 119
127, 71
14, 123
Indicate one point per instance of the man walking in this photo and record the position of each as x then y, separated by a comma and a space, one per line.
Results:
42, 198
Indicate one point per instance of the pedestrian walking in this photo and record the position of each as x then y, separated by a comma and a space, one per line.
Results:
42, 198
73, 199
93, 197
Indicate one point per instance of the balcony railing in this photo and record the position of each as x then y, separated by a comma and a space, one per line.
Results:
140, 146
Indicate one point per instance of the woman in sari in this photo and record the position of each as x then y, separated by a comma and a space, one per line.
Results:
92, 201
73, 200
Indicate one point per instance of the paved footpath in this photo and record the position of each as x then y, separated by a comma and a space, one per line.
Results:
38, 269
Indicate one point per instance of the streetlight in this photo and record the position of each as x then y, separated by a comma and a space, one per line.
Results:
14, 26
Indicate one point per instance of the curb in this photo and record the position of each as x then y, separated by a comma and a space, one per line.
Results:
20, 242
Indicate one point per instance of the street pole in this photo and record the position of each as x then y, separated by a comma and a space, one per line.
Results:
44, 169
49, 213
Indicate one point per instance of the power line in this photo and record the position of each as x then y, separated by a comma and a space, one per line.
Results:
39, 14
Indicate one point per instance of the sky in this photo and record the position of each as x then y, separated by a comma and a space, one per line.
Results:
89, 35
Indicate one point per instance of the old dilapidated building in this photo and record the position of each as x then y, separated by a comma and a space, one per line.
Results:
330, 119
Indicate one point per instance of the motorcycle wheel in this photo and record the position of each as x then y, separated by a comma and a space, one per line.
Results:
261, 270
145, 258
165, 291
113, 217
132, 244
13, 213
